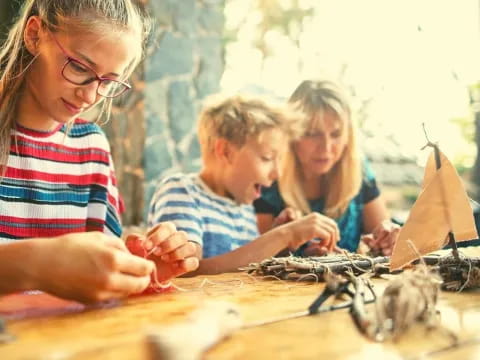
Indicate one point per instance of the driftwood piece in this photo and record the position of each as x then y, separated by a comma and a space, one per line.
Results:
297, 268
457, 274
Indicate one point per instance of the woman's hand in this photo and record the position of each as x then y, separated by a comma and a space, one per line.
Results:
86, 267
170, 249
383, 237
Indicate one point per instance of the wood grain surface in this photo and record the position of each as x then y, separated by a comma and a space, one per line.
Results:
118, 331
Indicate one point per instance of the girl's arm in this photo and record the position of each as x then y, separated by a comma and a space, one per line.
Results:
15, 259
85, 267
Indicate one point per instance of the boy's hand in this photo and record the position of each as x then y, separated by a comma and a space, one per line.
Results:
87, 267
316, 248
383, 238
173, 254
288, 214
314, 226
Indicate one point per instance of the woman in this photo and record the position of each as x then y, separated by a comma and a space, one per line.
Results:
323, 172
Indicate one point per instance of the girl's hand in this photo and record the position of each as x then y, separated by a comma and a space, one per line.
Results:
383, 237
170, 249
87, 267
314, 226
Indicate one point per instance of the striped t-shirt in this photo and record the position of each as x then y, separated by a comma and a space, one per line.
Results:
216, 223
58, 182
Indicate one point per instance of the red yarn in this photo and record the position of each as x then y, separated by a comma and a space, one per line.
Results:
135, 246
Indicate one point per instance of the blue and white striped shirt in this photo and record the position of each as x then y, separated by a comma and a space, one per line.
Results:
216, 223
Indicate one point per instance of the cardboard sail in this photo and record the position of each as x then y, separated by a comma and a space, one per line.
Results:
442, 206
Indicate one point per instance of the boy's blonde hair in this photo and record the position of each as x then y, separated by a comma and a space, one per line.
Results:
98, 16
240, 118
342, 183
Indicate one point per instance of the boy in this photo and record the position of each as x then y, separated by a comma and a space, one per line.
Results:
241, 141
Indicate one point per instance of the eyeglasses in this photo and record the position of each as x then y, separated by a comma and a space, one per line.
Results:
78, 73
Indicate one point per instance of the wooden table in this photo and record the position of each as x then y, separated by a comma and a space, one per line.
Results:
118, 332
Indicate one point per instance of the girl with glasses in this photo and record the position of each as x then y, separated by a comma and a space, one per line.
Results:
59, 205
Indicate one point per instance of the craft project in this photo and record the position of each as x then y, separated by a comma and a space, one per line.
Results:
441, 215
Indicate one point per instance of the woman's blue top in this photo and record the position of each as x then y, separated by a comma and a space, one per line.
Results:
350, 223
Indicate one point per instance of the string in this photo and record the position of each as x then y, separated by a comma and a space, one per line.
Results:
370, 260
208, 281
158, 286
155, 284
467, 281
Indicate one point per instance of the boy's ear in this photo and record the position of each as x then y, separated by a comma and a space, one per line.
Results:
31, 35
224, 150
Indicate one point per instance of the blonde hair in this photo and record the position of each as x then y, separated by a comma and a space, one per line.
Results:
342, 183
102, 16
240, 118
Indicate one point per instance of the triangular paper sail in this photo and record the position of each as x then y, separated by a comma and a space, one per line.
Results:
442, 206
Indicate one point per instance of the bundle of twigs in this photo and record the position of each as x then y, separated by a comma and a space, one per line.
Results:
457, 273
315, 268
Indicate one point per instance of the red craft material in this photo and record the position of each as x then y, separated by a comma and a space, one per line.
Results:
135, 246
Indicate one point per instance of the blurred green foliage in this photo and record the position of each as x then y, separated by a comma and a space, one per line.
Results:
466, 126
8, 13
284, 16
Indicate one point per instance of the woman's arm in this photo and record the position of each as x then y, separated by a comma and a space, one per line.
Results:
381, 232
374, 213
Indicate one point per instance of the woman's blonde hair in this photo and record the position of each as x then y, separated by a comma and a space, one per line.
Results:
240, 118
99, 16
342, 183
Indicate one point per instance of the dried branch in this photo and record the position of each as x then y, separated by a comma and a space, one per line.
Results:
294, 268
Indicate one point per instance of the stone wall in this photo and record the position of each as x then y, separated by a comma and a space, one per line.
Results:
152, 130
